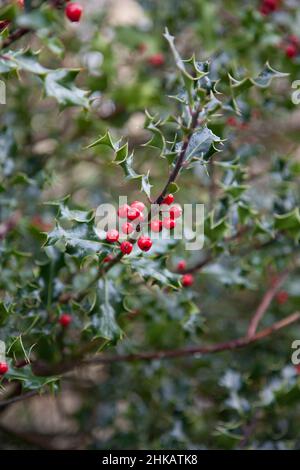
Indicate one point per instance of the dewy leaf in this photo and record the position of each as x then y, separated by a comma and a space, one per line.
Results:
263, 80
266, 76
124, 159
289, 222
103, 316
181, 63
200, 143
59, 84
4, 313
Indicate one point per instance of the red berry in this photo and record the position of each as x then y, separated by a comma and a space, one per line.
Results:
138, 205
175, 212
122, 211
232, 121
291, 51
298, 369
169, 223
65, 320
144, 243
282, 297
187, 280
126, 247
127, 228
73, 11
3, 368
156, 225
112, 236
181, 265
156, 60
168, 199
108, 258
133, 213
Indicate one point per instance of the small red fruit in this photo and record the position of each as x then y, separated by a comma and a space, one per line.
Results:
144, 243
133, 213
291, 51
169, 223
112, 236
3, 368
140, 206
108, 258
232, 121
65, 320
175, 212
187, 280
73, 12
126, 247
156, 225
122, 211
168, 199
156, 60
298, 369
127, 228
282, 297
181, 265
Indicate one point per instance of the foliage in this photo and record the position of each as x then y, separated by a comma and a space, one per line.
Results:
89, 117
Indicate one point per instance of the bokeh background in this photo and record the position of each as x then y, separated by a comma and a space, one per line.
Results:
243, 399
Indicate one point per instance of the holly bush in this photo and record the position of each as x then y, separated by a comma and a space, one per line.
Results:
171, 104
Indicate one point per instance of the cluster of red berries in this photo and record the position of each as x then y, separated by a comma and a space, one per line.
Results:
269, 6
134, 215
73, 11
292, 46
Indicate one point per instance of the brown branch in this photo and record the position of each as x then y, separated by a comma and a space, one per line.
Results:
214, 348
25, 396
265, 303
14, 36
40, 368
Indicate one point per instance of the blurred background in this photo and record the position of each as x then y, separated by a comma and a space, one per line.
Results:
244, 399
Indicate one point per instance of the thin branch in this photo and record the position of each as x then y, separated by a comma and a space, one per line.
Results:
265, 303
25, 396
14, 36
194, 350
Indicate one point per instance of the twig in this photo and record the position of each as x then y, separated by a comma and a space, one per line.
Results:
40, 368
25, 396
14, 36
193, 350
265, 302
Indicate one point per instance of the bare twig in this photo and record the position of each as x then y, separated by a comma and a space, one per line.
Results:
265, 302
194, 350
25, 396
14, 36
